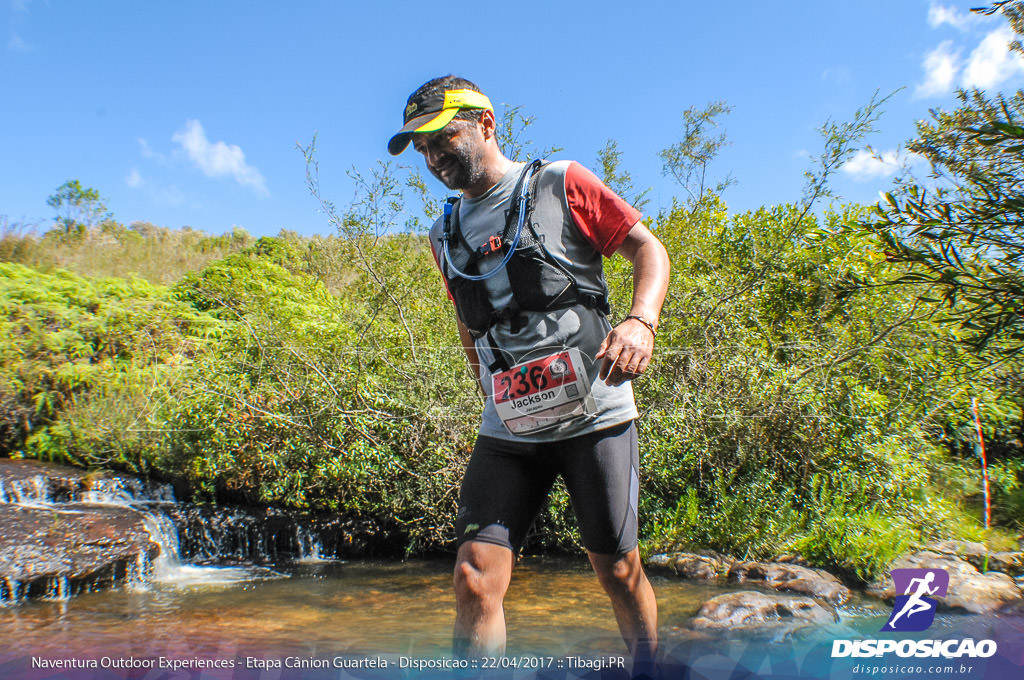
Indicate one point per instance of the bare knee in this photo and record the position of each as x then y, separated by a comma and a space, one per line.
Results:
482, 576
471, 582
618, 572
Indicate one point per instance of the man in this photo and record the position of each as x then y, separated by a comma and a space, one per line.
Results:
521, 255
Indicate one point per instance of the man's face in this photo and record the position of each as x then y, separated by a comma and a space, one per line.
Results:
454, 154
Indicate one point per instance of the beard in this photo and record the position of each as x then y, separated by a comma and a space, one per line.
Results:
463, 167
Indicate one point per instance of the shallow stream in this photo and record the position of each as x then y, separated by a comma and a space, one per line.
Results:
321, 608
314, 610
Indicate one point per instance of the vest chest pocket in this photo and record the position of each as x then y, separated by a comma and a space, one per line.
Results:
538, 282
472, 304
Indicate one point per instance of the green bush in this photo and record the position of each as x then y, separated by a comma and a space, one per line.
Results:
773, 375
76, 352
787, 409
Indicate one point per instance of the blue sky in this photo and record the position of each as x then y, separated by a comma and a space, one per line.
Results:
189, 113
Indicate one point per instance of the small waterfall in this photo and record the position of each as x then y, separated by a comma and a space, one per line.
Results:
125, 491
37, 490
59, 589
164, 534
310, 546
198, 545
169, 569
33, 491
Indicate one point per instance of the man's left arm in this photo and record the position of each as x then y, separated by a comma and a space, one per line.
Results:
629, 346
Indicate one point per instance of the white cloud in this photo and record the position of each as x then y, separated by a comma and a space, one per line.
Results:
992, 63
147, 151
940, 14
867, 164
940, 69
218, 159
18, 44
134, 179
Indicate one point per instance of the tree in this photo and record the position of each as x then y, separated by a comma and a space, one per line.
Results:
608, 160
512, 132
78, 207
689, 159
963, 236
1013, 10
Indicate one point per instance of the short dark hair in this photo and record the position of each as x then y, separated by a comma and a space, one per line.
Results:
437, 86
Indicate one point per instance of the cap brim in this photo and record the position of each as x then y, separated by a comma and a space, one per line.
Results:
430, 122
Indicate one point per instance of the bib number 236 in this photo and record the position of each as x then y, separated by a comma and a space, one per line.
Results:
542, 393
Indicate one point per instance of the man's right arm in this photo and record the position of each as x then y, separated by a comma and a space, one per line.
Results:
470, 348
468, 345
467, 340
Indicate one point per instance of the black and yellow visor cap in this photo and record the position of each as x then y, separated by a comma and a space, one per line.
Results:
433, 112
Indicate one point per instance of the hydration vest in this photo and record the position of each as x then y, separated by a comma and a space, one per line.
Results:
539, 282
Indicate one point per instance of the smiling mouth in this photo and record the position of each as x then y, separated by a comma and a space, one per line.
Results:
446, 167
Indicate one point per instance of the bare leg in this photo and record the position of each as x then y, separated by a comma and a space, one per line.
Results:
636, 610
482, 575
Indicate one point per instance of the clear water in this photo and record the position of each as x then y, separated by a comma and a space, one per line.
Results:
316, 607
329, 609
553, 606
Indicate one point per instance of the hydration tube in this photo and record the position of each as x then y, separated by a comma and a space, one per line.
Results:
515, 240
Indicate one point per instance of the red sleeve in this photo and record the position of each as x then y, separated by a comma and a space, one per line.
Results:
438, 263
602, 217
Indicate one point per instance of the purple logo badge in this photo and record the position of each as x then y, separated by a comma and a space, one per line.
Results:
913, 610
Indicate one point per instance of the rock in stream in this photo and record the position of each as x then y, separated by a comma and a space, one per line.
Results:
61, 548
792, 577
749, 609
969, 589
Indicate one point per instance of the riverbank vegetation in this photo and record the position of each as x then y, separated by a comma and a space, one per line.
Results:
791, 408
811, 392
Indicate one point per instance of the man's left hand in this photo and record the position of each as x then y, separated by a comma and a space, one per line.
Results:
626, 351
628, 347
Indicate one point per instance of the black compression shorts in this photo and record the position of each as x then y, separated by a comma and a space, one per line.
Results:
507, 483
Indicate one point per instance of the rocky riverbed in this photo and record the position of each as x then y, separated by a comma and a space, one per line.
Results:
64, 530
787, 596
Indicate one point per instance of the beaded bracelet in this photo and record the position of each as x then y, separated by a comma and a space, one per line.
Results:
650, 326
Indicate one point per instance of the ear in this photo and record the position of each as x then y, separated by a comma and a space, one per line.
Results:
488, 123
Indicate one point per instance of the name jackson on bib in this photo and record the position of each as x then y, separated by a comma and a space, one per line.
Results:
540, 394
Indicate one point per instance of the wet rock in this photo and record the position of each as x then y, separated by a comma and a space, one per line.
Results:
203, 534
793, 578
80, 544
701, 567
30, 481
1011, 563
969, 589
61, 531
978, 554
35, 482
745, 610
792, 559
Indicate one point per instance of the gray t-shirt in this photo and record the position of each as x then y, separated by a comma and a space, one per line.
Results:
546, 332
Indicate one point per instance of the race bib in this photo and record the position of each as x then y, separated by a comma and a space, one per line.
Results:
539, 394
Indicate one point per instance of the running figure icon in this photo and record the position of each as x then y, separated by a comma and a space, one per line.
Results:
916, 585
914, 603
